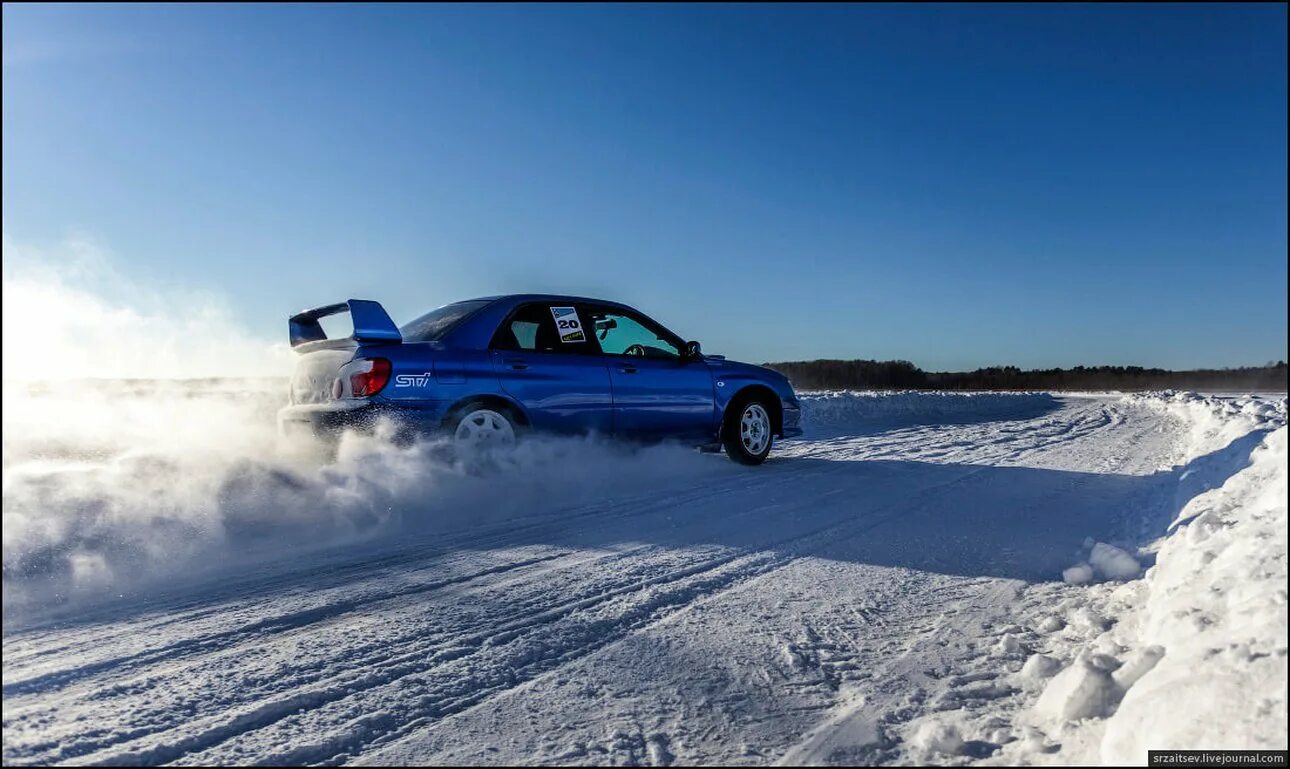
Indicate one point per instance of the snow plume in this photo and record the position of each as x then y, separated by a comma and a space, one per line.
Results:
102, 454
109, 480
113, 487
69, 313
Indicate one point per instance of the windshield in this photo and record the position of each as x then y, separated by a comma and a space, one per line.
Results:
434, 324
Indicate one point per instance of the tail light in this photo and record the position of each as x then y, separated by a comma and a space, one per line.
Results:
368, 376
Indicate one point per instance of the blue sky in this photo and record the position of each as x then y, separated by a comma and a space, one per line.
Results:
956, 185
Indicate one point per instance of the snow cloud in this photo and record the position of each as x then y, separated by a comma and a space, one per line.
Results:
69, 313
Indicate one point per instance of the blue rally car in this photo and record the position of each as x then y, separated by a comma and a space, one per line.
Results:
487, 370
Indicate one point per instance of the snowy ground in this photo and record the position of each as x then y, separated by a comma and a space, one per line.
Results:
927, 577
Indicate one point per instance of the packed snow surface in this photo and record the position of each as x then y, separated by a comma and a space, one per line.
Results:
926, 577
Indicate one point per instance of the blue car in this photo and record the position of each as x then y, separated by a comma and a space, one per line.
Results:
487, 370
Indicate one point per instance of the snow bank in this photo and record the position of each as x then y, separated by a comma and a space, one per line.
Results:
1196, 654
1213, 421
1216, 603
836, 412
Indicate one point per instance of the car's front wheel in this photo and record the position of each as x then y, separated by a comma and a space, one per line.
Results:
747, 432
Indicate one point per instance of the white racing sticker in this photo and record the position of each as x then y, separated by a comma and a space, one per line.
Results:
412, 380
567, 323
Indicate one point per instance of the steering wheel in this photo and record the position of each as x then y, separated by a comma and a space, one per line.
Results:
635, 350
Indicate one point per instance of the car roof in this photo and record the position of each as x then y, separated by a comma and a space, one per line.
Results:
478, 327
521, 298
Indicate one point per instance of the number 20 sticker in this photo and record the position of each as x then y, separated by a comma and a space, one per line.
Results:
566, 321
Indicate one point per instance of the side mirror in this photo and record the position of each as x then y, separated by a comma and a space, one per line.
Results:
603, 325
693, 350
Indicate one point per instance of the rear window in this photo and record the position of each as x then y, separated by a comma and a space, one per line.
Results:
434, 324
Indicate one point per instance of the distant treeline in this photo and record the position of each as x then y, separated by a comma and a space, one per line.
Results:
903, 375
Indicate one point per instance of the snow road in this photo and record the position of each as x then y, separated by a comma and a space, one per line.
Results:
868, 595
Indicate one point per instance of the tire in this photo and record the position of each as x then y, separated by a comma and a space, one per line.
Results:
748, 432
483, 425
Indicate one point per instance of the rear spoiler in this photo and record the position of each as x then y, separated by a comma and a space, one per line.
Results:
371, 323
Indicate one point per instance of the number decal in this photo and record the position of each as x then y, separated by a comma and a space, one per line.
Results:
566, 321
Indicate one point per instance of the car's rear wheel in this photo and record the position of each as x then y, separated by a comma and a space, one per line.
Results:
483, 426
747, 432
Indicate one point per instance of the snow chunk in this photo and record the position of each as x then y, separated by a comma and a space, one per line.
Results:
1110, 562
1038, 668
1105, 562
1086, 689
935, 736
1088, 619
1010, 645
1137, 666
1050, 624
1079, 574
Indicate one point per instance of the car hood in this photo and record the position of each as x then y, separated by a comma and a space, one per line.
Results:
722, 361
724, 367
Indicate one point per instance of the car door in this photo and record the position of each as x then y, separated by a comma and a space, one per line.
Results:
545, 361
658, 392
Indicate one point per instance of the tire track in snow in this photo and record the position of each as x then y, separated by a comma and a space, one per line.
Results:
980, 442
496, 536
414, 662
365, 600
630, 578
804, 545
263, 627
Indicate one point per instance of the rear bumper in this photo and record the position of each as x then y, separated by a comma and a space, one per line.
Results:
329, 420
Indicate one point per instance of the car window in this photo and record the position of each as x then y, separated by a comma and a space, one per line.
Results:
525, 332
621, 333
434, 324
543, 327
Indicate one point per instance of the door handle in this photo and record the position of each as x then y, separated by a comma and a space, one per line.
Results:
627, 369
516, 363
